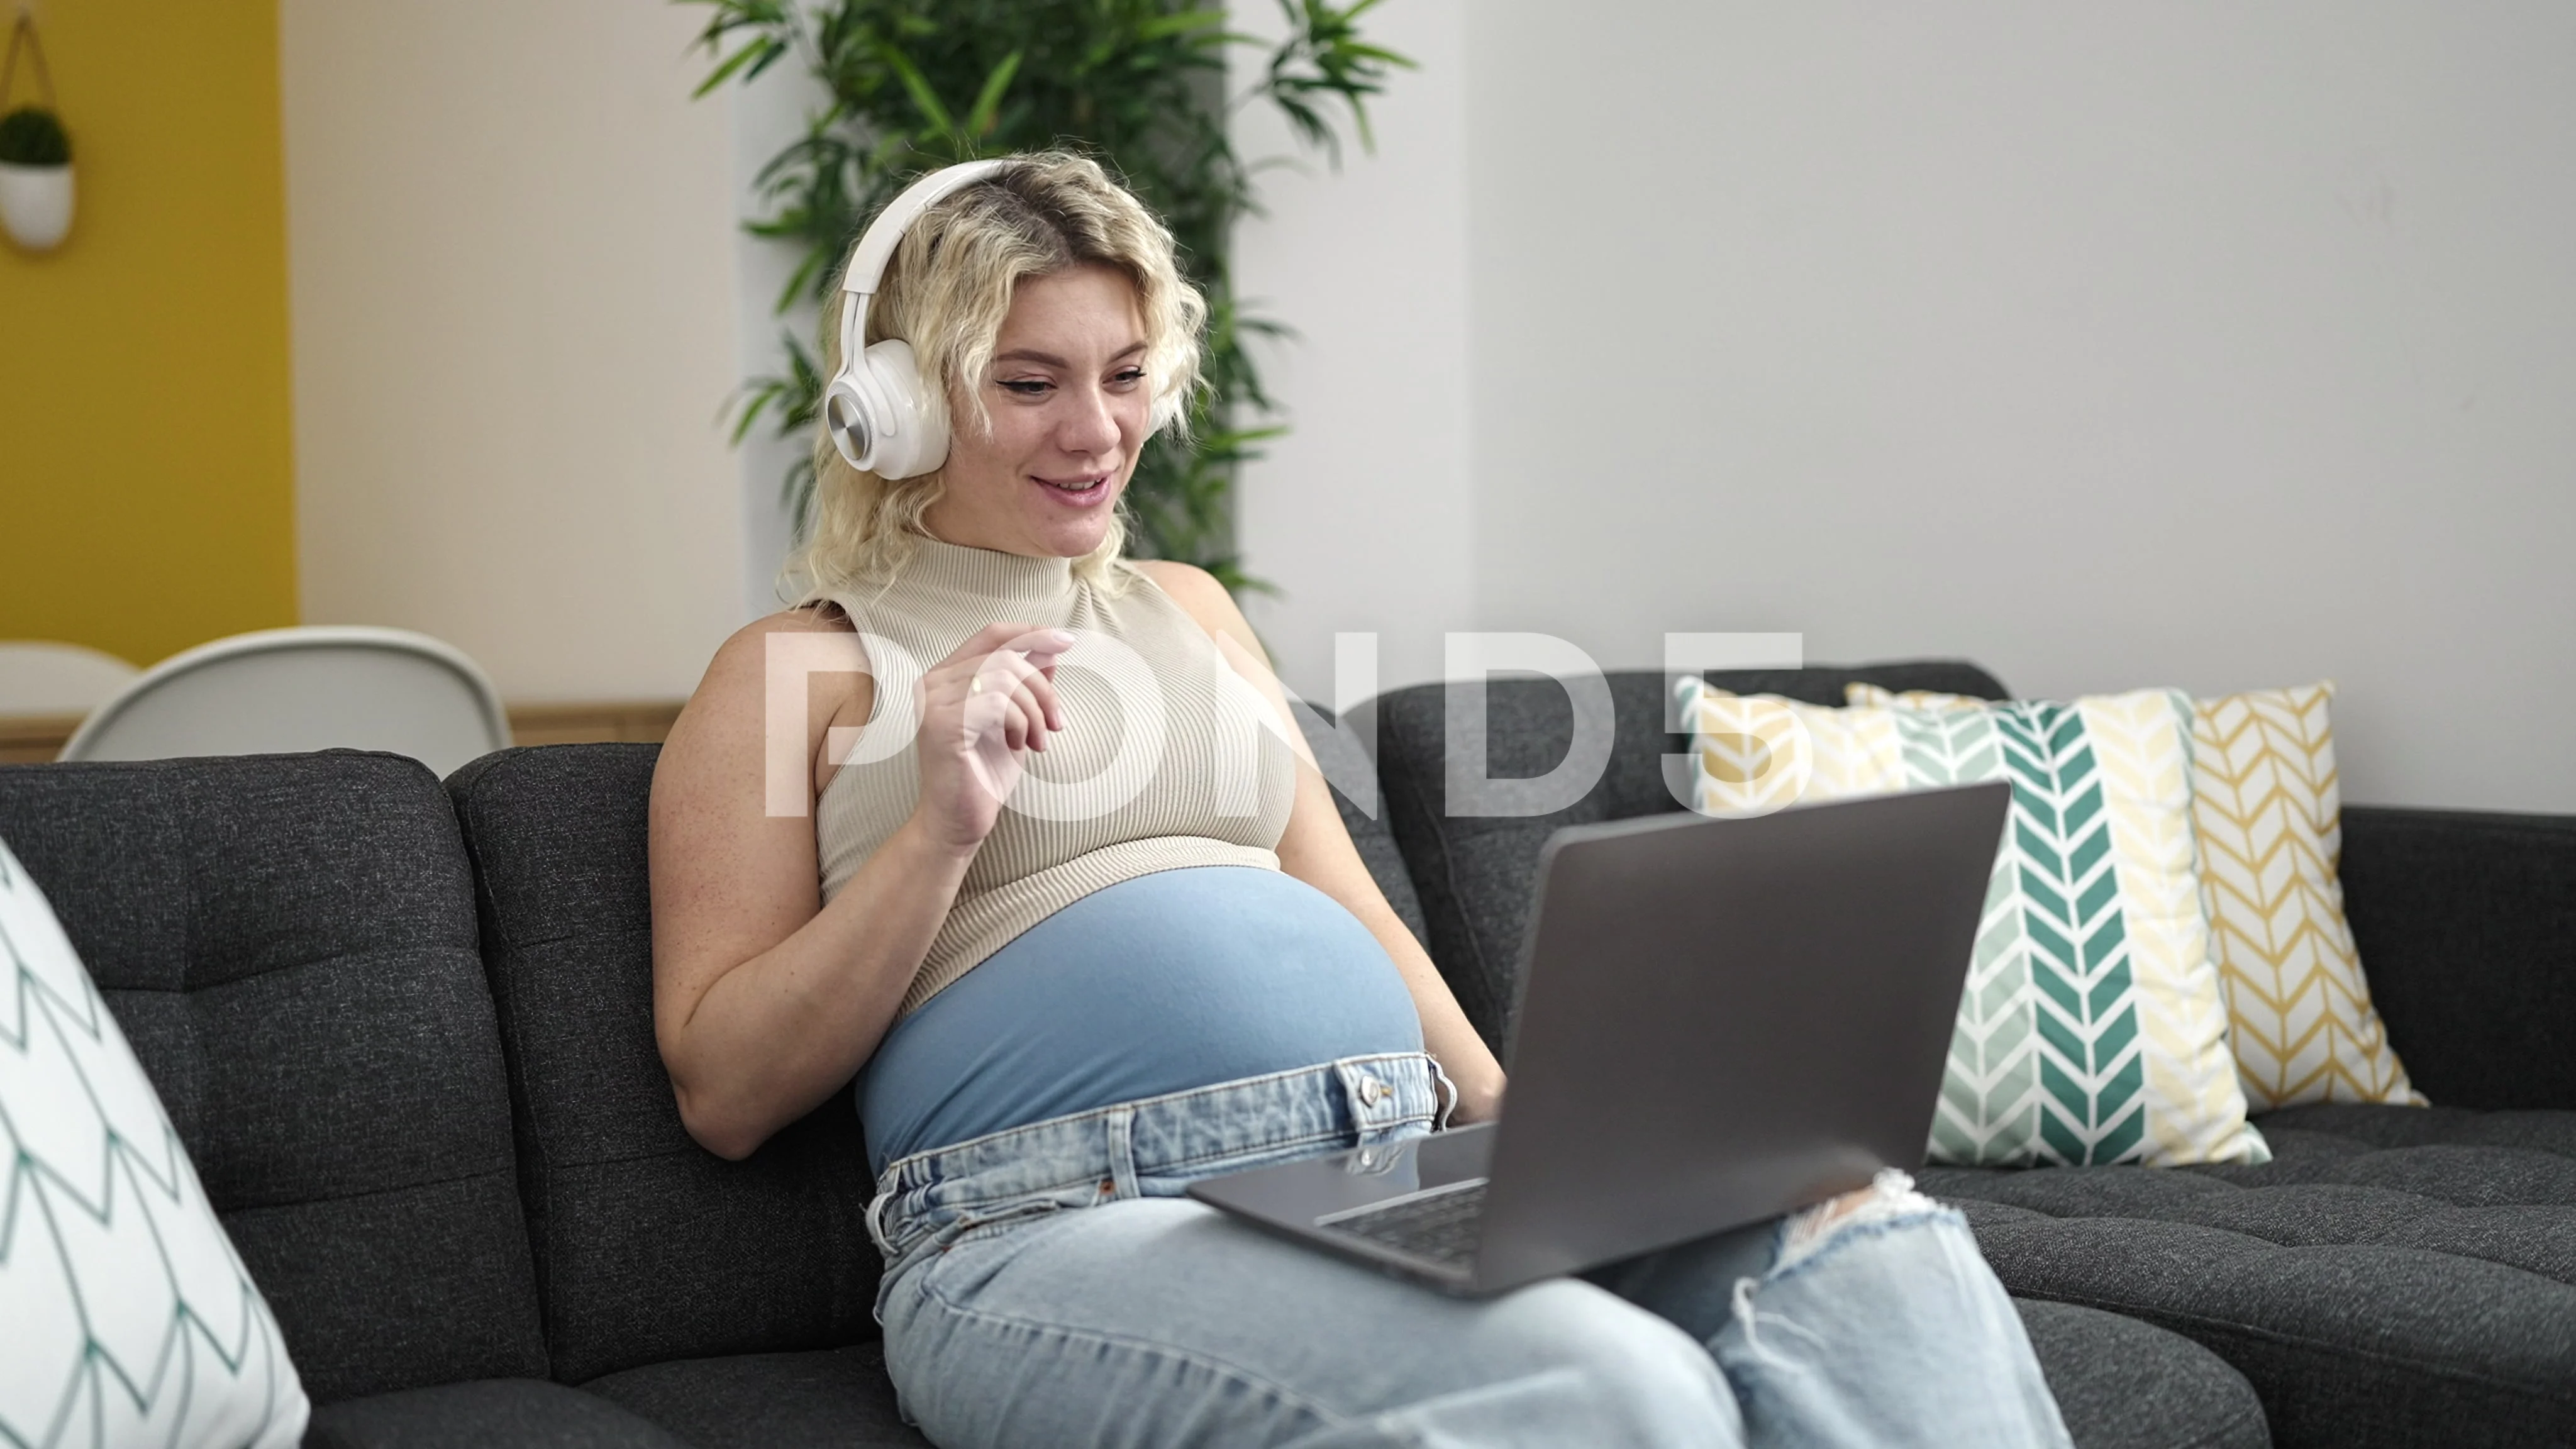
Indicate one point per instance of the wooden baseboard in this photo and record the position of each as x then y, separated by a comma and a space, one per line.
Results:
635, 721
32, 739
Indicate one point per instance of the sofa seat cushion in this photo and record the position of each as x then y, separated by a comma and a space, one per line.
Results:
827, 1399
2395, 1275
2125, 1384
485, 1414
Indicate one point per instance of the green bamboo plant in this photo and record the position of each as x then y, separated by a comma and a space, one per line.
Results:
1139, 84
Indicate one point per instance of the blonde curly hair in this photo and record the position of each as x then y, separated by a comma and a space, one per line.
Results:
947, 291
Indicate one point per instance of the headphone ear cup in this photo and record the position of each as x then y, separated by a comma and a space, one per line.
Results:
880, 416
846, 415
909, 421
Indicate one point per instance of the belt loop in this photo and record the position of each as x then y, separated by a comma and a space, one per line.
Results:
876, 1221
1122, 1151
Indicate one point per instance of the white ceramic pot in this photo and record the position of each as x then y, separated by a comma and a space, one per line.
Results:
36, 204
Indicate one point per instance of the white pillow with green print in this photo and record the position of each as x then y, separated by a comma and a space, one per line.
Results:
130, 1319
2092, 1029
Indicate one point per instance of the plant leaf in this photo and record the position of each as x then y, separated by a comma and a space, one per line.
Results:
979, 121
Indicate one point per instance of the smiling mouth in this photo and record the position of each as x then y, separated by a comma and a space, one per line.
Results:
1075, 490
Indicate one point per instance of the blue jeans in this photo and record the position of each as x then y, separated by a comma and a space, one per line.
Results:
1047, 1286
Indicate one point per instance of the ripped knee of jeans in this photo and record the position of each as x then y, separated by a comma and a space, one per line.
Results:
1890, 1196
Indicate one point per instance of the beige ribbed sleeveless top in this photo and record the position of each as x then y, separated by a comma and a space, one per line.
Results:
1164, 761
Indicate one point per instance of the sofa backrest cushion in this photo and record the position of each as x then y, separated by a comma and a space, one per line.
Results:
1473, 874
288, 941
2466, 924
648, 1247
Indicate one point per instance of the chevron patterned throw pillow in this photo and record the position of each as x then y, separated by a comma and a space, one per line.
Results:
2269, 812
2093, 1028
130, 1320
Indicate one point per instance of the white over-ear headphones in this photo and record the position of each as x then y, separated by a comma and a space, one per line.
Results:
881, 415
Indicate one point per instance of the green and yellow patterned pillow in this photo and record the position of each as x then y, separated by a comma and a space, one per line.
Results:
2269, 811
2092, 1029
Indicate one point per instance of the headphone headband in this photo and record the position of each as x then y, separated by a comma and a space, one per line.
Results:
876, 248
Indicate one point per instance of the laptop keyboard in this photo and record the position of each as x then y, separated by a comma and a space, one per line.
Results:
1442, 1224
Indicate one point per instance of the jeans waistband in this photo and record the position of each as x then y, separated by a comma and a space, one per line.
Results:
1154, 1147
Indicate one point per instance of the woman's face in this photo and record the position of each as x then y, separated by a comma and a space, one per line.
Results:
1069, 401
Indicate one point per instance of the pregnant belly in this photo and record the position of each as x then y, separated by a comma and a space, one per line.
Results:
1158, 984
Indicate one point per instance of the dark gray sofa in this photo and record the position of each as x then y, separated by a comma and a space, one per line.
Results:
405, 1031
2395, 1276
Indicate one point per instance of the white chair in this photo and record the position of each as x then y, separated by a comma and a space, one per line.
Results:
39, 676
286, 690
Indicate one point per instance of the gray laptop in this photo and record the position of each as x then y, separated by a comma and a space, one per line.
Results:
1720, 1021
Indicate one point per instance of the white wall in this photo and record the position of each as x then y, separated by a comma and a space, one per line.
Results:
1362, 515
2219, 345
513, 278
768, 114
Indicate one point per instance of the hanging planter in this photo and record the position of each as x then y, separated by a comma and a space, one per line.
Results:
35, 152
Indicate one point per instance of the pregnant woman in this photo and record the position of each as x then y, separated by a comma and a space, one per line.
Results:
1010, 827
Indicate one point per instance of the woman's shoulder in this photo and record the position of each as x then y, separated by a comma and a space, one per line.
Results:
1195, 592
809, 639
821, 616
750, 643
1177, 579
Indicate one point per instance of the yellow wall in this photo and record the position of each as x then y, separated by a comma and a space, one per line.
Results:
146, 477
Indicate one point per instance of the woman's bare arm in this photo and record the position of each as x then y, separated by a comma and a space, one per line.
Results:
766, 1000
1317, 850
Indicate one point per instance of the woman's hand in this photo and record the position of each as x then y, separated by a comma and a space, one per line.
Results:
979, 707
